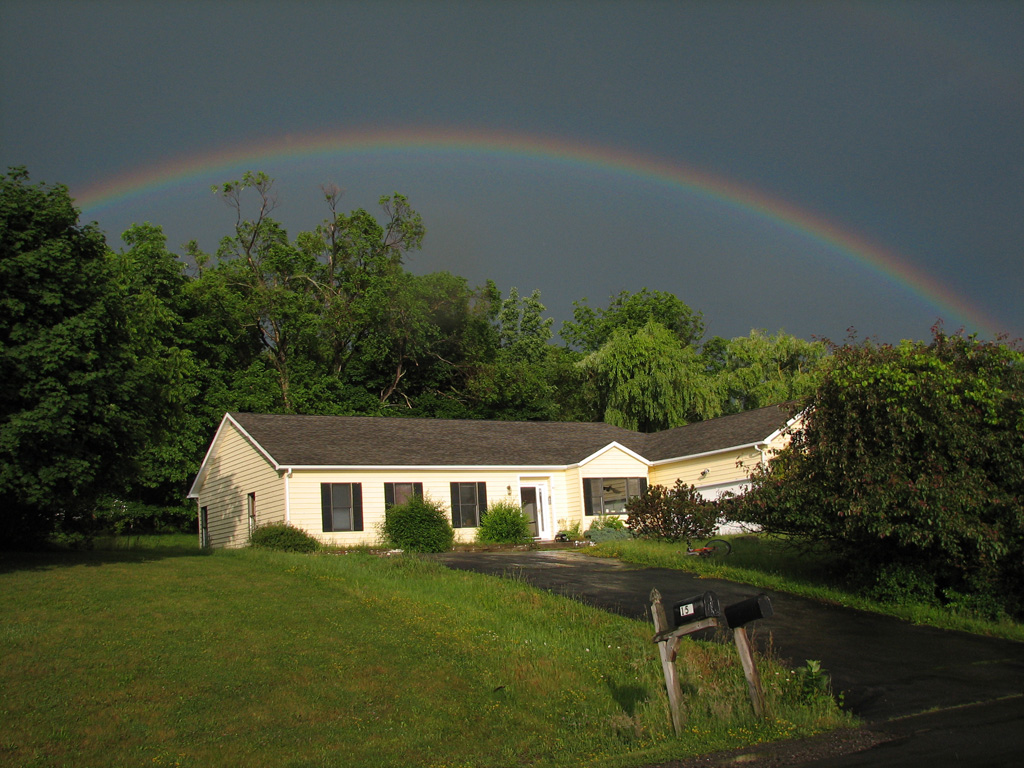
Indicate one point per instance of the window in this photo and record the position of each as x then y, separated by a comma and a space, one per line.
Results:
469, 500
608, 495
251, 511
400, 493
204, 527
342, 506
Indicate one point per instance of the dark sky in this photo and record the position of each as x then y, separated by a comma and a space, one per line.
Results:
804, 166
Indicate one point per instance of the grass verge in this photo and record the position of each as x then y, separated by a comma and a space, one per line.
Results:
773, 563
169, 657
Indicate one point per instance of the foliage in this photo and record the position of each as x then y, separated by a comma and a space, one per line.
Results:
676, 514
910, 465
607, 522
591, 329
644, 380
811, 683
574, 532
598, 535
419, 525
121, 516
503, 523
73, 405
282, 537
758, 370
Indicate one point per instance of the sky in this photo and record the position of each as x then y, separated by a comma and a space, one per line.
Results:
809, 167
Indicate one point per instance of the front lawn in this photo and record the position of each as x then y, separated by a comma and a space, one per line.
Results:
172, 657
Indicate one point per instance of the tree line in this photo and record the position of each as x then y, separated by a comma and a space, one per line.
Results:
117, 362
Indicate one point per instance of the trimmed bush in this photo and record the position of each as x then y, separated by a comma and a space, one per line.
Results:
419, 525
504, 523
282, 537
597, 535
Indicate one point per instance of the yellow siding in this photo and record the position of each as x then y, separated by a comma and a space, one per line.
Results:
304, 492
614, 462
236, 469
727, 467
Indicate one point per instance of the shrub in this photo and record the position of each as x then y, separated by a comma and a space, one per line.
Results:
597, 535
679, 514
607, 522
419, 525
282, 537
503, 523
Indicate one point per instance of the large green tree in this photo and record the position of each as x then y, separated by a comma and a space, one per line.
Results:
762, 369
71, 414
910, 464
644, 379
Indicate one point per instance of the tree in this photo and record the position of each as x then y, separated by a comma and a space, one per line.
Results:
71, 416
153, 287
645, 380
515, 381
314, 306
591, 329
910, 465
758, 370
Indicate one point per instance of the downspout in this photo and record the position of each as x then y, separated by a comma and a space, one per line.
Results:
287, 496
760, 450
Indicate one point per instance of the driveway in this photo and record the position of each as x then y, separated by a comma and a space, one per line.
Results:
928, 696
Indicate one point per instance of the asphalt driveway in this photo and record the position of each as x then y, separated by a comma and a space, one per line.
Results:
929, 696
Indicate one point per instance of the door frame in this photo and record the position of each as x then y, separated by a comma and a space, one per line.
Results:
544, 516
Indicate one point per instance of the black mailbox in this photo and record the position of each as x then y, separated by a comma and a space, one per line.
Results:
751, 609
698, 607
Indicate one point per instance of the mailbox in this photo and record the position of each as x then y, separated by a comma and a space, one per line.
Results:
753, 608
698, 607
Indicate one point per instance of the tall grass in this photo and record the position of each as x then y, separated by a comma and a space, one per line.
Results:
772, 562
160, 657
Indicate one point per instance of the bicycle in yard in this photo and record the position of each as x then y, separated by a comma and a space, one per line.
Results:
712, 548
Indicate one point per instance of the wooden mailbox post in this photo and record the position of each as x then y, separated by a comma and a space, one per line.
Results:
667, 638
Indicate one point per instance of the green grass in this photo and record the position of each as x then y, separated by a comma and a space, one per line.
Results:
773, 563
163, 656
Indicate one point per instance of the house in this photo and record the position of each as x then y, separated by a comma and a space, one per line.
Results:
333, 476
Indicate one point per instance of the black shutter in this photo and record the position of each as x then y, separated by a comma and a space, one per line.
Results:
325, 506
643, 485
588, 498
417, 489
357, 506
389, 495
456, 512
481, 501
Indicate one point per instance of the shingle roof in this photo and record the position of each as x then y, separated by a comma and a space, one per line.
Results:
376, 441
717, 434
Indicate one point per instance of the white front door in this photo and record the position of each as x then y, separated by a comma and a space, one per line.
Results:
533, 499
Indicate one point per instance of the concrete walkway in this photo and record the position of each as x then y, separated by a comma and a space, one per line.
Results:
928, 694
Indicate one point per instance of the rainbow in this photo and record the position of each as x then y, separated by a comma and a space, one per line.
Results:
746, 200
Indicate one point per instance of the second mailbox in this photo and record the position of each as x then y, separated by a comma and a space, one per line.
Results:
698, 607
754, 608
